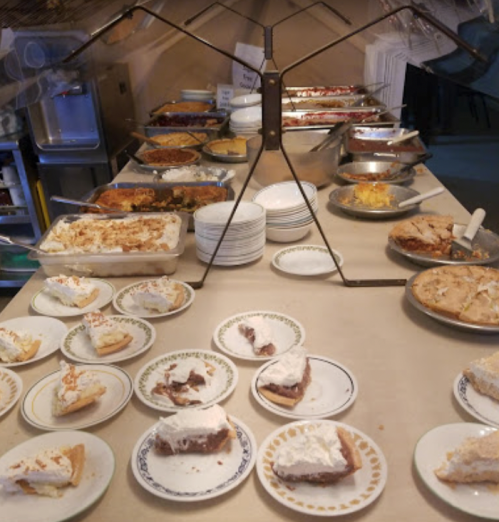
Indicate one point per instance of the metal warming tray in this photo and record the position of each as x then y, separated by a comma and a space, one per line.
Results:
111, 264
212, 123
313, 120
371, 144
157, 110
330, 103
321, 90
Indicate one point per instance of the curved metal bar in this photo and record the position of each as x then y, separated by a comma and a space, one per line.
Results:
332, 9
416, 12
197, 15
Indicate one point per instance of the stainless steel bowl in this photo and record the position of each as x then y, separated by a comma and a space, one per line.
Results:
353, 172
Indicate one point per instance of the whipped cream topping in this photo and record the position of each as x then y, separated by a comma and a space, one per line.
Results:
44, 472
182, 370
186, 424
102, 331
70, 290
318, 451
262, 331
288, 370
159, 294
73, 383
129, 234
13, 345
194, 173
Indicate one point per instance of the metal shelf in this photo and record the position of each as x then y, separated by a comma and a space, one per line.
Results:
14, 220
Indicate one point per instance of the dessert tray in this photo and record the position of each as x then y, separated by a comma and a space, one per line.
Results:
485, 241
222, 384
124, 303
431, 450
45, 303
11, 387
480, 406
287, 333
444, 319
50, 332
77, 347
36, 407
306, 260
332, 389
194, 477
97, 475
350, 494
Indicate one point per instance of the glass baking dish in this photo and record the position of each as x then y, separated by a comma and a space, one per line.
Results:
111, 264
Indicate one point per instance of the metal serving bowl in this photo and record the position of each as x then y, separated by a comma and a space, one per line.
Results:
355, 172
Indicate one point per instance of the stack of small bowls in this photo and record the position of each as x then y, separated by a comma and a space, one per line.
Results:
246, 122
288, 217
245, 238
245, 100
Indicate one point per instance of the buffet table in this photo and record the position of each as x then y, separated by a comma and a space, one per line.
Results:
405, 364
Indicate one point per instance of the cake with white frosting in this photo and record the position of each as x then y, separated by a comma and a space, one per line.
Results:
475, 460
483, 375
163, 295
17, 346
194, 431
46, 472
259, 333
106, 335
72, 290
323, 455
75, 389
184, 381
285, 381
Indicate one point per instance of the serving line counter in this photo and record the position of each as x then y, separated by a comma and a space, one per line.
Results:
404, 362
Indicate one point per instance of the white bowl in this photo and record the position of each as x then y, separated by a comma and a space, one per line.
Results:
287, 235
196, 94
246, 100
285, 195
249, 115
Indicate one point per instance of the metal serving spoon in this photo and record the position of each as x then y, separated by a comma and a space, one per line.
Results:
10, 241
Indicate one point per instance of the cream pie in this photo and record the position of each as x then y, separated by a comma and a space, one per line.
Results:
475, 460
183, 382
483, 375
75, 389
324, 455
106, 335
46, 472
72, 290
194, 431
161, 294
259, 333
285, 381
17, 346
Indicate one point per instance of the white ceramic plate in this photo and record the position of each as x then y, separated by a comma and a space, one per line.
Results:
345, 496
431, 450
482, 407
11, 387
332, 389
46, 304
77, 347
193, 477
222, 384
124, 303
306, 260
50, 331
287, 333
97, 474
36, 407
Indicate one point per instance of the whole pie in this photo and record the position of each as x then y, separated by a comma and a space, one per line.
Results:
467, 293
169, 157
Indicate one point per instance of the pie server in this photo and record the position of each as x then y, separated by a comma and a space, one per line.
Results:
462, 248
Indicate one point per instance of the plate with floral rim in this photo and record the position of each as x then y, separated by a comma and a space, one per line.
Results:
482, 407
306, 260
11, 387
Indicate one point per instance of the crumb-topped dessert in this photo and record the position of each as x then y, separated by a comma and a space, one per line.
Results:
17, 346
180, 139
183, 381
373, 195
91, 235
483, 375
475, 460
75, 389
259, 333
194, 431
286, 381
106, 335
163, 295
324, 455
167, 157
46, 472
468, 293
72, 290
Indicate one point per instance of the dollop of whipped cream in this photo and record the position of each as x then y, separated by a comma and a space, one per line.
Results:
262, 331
13, 344
69, 289
287, 370
73, 383
102, 331
159, 294
317, 451
183, 369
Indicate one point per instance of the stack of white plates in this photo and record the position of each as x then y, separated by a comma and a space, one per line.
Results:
196, 95
245, 238
286, 209
246, 122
